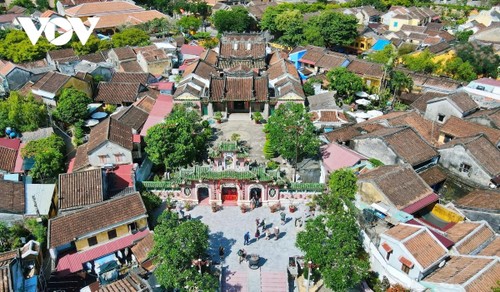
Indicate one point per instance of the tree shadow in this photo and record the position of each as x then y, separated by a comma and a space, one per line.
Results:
217, 239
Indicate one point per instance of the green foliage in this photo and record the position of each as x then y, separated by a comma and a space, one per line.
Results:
290, 132
421, 63
331, 241
105, 45
272, 164
406, 49
23, 113
342, 184
189, 23
37, 230
291, 25
151, 201
72, 106
460, 70
201, 35
42, 5
399, 81
236, 19
176, 244
49, 157
10, 237
399, 106
130, 37
385, 56
91, 46
345, 83
482, 58
78, 133
268, 149
337, 29
179, 141
155, 26
308, 86
463, 36
375, 162
210, 43
28, 4
17, 47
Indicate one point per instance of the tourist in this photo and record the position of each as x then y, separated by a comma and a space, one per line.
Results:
257, 203
257, 234
221, 253
268, 234
276, 233
263, 224
247, 238
283, 218
257, 222
242, 254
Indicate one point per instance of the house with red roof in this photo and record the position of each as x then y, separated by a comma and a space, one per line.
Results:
189, 52
336, 156
9, 150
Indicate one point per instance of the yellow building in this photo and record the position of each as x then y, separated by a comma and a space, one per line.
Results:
362, 44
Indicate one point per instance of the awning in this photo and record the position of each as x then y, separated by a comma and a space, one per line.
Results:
74, 262
386, 247
422, 203
406, 262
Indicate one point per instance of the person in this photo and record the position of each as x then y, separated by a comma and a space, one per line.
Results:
257, 222
257, 234
252, 202
221, 253
268, 234
276, 232
242, 254
283, 218
247, 238
263, 224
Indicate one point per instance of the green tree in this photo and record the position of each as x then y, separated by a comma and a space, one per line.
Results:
421, 63
189, 23
37, 230
42, 5
48, 154
332, 242
130, 37
308, 86
4, 237
312, 35
384, 56
337, 29
28, 4
291, 25
179, 141
341, 184
176, 245
236, 19
17, 47
23, 113
345, 83
91, 46
72, 106
482, 58
460, 70
151, 201
463, 36
399, 81
290, 132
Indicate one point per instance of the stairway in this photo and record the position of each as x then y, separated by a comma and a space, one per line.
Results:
235, 281
273, 281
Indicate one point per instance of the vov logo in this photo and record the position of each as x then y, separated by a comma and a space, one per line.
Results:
49, 27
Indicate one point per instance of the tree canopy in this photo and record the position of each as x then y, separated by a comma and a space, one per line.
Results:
384, 56
179, 141
399, 81
91, 46
131, 36
10, 236
22, 113
483, 59
421, 62
176, 245
337, 29
345, 83
48, 154
189, 23
457, 69
331, 241
234, 20
290, 132
72, 106
17, 47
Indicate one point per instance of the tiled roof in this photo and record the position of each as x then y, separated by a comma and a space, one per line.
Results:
289, 85
124, 53
8, 153
492, 249
281, 68
63, 55
142, 248
202, 69
239, 88
133, 117
330, 116
421, 103
131, 67
132, 282
481, 199
110, 130
12, 197
476, 274
461, 99
131, 77
366, 68
209, 56
459, 128
402, 231
51, 82
145, 103
439, 47
405, 142
473, 241
399, 183
64, 229
331, 60
242, 46
6, 68
117, 93
81, 158
261, 88
156, 55
94, 57
335, 156
313, 55
481, 149
425, 128
79, 189
458, 231
433, 175
192, 50
345, 134
102, 8
493, 116
132, 18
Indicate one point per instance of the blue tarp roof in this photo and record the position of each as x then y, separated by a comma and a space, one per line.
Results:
380, 45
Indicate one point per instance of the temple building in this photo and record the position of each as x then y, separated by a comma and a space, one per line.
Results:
244, 77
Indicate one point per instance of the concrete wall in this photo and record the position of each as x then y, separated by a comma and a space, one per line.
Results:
451, 158
442, 107
371, 194
110, 149
397, 252
80, 85
376, 148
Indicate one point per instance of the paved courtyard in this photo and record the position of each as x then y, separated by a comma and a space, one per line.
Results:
249, 132
227, 228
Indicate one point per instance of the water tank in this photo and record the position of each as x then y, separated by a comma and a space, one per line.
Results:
12, 134
8, 130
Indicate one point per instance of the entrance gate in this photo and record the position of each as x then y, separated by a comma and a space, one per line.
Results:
229, 194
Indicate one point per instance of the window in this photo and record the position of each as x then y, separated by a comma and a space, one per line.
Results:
480, 87
103, 158
132, 227
447, 138
388, 256
362, 45
92, 241
441, 118
112, 234
119, 157
464, 167
405, 269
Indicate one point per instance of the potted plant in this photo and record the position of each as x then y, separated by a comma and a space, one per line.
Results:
243, 208
292, 208
215, 208
170, 203
257, 117
218, 117
187, 206
275, 207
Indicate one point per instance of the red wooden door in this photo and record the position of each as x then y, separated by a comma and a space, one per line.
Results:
229, 194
